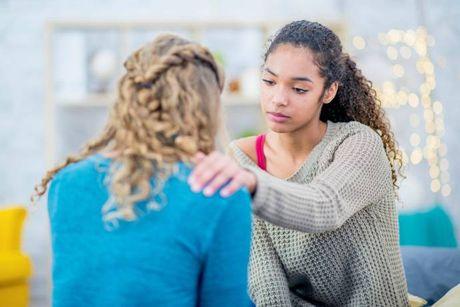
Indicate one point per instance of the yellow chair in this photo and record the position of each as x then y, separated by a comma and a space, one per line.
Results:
15, 267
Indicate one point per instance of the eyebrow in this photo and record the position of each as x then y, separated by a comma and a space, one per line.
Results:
294, 78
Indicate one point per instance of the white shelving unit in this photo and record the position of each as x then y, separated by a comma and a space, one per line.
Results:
92, 103
104, 101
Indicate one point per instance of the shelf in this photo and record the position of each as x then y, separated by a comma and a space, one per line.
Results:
88, 102
102, 101
238, 100
125, 39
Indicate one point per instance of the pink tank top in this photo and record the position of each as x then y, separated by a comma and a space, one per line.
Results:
261, 161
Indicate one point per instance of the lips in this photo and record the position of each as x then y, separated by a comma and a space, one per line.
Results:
277, 117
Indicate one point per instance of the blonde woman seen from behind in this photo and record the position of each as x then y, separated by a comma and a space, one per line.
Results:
126, 229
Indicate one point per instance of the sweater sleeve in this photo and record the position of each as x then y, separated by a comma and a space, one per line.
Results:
359, 175
224, 275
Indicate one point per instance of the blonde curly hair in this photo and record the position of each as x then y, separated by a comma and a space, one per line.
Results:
167, 110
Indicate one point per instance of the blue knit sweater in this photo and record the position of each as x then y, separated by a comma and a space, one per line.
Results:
192, 252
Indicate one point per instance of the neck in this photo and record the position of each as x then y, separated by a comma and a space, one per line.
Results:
298, 143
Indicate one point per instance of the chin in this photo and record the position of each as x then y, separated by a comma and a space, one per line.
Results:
279, 128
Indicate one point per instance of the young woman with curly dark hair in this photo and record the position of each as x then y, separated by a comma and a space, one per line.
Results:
323, 179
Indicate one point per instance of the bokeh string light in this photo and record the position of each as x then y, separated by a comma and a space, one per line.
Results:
402, 46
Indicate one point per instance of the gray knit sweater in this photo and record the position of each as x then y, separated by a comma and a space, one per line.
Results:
328, 235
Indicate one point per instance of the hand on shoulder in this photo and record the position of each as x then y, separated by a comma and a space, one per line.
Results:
217, 170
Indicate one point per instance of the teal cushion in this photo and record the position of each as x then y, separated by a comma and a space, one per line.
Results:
432, 227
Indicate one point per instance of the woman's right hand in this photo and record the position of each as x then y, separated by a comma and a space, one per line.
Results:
217, 170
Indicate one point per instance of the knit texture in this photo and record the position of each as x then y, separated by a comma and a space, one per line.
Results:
328, 234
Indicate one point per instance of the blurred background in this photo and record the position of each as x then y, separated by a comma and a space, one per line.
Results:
60, 61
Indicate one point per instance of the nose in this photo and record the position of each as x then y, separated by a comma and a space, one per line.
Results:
280, 97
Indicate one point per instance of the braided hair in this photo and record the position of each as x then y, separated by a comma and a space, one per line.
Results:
166, 110
355, 100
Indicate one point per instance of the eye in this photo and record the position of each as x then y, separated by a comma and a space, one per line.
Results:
268, 82
300, 90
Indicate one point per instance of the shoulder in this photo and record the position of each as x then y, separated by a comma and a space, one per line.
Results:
227, 221
80, 172
354, 141
357, 134
178, 187
245, 145
78, 182
235, 210
353, 127
240, 201
241, 196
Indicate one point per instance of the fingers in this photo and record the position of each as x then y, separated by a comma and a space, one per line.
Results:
199, 156
203, 165
213, 172
217, 170
235, 184
208, 168
227, 173
213, 166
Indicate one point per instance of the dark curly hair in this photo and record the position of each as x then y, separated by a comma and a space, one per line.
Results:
355, 100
